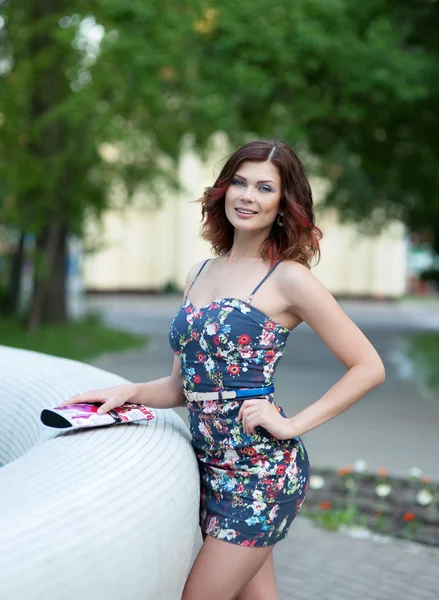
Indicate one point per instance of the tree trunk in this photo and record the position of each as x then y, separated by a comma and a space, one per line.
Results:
47, 248
14, 287
55, 309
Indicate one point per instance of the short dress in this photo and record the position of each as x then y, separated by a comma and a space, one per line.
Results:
252, 486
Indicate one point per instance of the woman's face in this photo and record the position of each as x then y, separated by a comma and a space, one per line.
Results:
252, 199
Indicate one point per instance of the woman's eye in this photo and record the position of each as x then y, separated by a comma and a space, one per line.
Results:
240, 182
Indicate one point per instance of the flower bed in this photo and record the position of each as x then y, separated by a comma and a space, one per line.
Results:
403, 507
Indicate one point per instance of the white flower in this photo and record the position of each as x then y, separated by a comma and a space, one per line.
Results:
424, 497
291, 471
203, 344
360, 465
212, 328
209, 365
316, 482
415, 472
282, 525
258, 507
383, 490
268, 369
273, 512
210, 406
228, 406
266, 338
235, 433
203, 429
229, 534
212, 523
231, 457
246, 351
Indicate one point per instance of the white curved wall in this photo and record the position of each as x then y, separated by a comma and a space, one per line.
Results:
104, 513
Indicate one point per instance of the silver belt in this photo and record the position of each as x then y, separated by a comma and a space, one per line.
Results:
228, 395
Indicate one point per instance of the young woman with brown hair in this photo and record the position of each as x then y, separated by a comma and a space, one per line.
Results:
228, 336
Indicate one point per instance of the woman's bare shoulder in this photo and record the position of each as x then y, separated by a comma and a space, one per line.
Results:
294, 272
193, 271
297, 281
195, 268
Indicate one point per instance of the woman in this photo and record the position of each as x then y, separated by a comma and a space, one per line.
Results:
254, 468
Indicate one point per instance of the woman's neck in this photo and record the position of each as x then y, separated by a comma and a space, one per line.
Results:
246, 245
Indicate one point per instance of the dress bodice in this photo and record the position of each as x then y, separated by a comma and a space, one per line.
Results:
226, 344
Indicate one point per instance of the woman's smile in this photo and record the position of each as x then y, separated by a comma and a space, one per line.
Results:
245, 213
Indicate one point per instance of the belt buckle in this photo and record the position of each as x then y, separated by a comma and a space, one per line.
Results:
191, 395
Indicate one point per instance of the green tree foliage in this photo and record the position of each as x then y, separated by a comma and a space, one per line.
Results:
77, 75
352, 84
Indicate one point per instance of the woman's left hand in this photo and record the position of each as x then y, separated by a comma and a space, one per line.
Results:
261, 412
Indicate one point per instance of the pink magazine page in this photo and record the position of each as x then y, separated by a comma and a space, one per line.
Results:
79, 416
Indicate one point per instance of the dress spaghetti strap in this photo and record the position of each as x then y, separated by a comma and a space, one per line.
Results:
262, 281
196, 277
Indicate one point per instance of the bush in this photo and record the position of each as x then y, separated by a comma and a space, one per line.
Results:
401, 507
6, 307
430, 274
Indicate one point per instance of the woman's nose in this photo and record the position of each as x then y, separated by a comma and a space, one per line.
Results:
247, 194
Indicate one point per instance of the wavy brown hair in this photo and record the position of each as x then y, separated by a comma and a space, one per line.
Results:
298, 238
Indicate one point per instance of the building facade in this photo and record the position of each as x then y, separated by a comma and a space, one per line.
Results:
145, 247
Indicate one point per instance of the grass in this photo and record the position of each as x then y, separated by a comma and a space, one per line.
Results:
333, 519
421, 300
78, 340
423, 349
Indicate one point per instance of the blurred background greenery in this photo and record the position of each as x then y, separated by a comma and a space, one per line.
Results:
352, 85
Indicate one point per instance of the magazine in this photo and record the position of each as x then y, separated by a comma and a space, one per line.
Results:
79, 416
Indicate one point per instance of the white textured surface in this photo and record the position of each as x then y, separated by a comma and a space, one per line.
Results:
106, 513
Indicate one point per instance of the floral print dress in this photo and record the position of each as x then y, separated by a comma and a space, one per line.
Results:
253, 486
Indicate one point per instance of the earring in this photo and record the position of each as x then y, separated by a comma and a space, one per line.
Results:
279, 219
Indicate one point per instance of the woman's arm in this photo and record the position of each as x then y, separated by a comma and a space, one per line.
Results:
315, 305
165, 392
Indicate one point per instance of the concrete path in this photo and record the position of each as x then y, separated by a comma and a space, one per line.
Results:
395, 426
315, 564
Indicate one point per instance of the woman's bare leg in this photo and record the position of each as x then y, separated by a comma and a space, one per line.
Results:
223, 569
263, 585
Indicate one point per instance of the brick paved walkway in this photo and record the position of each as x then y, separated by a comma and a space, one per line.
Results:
315, 564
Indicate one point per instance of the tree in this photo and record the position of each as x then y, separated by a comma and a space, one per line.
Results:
65, 92
48, 144
353, 85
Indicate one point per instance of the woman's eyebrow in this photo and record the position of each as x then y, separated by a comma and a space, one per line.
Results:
262, 181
